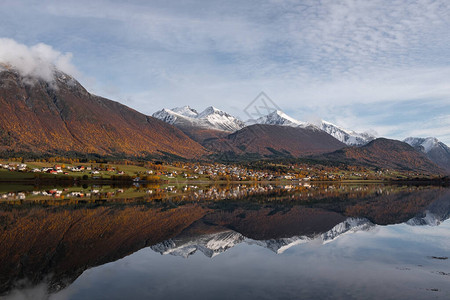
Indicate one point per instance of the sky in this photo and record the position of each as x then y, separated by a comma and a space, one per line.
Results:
377, 66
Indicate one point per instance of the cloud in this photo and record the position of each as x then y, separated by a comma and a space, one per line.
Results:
38, 61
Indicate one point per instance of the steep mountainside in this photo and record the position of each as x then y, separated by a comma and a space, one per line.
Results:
436, 151
62, 116
276, 140
387, 154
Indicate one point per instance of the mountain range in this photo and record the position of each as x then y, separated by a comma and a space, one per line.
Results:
62, 118
279, 135
215, 119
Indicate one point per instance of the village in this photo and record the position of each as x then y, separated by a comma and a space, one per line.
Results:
192, 172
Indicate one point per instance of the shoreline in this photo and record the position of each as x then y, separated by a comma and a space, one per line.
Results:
221, 182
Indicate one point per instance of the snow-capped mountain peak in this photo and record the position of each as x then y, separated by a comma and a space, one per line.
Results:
186, 111
210, 118
167, 115
348, 137
210, 110
428, 143
278, 117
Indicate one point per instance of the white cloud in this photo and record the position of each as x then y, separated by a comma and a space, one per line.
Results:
38, 61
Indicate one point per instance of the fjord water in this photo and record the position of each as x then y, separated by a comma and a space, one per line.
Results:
323, 241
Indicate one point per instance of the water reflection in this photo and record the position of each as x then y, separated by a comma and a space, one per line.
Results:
47, 247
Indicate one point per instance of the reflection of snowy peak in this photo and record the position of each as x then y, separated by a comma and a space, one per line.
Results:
349, 225
209, 244
428, 218
280, 245
214, 244
210, 118
436, 213
348, 137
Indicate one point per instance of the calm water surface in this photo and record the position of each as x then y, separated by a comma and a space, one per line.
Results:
304, 242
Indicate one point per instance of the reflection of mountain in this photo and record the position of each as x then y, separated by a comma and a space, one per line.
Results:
348, 226
215, 243
65, 241
208, 244
436, 213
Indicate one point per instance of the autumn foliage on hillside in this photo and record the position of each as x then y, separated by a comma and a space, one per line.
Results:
62, 117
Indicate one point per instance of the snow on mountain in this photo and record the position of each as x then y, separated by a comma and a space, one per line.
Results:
221, 119
167, 116
436, 151
280, 118
424, 144
348, 137
210, 118
186, 111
